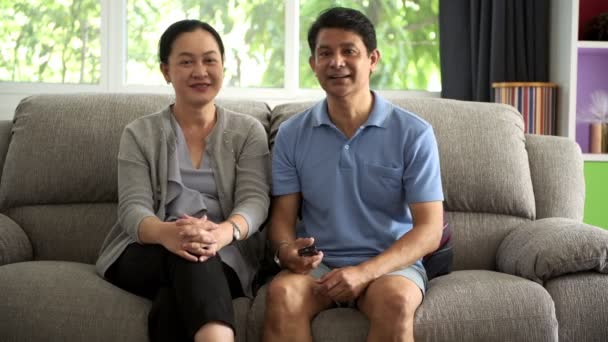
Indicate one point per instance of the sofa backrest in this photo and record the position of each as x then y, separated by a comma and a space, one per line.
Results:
485, 171
59, 178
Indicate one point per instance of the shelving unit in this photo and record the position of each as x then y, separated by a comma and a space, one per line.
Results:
579, 67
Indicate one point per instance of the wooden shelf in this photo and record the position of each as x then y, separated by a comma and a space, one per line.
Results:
588, 44
595, 157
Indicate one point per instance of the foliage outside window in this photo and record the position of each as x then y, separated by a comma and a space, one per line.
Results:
408, 41
59, 41
253, 39
50, 41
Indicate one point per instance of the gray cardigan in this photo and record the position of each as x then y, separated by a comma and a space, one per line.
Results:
239, 157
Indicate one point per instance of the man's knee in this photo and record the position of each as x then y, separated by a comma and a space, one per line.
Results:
279, 291
394, 297
400, 304
291, 295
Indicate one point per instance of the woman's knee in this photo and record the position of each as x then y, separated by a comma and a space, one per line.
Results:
210, 267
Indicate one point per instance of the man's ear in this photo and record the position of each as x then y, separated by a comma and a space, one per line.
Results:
374, 57
164, 68
311, 62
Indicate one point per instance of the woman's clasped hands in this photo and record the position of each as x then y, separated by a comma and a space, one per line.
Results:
195, 239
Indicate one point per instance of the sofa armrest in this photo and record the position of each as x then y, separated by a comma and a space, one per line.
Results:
556, 167
5, 137
544, 249
15, 246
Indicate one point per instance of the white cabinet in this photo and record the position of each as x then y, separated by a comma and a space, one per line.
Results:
579, 67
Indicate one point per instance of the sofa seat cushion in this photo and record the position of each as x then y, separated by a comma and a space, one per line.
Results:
476, 305
580, 306
68, 301
461, 306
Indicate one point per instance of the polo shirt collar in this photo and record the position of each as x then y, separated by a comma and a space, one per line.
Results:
377, 117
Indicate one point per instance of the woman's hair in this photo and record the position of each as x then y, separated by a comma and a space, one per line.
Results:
189, 25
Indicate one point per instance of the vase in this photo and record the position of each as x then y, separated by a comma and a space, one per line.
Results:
598, 138
605, 138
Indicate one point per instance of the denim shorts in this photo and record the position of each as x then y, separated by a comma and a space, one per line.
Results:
415, 273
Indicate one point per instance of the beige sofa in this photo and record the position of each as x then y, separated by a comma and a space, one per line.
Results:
526, 268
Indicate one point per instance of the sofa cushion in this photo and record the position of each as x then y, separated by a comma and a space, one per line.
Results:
461, 306
477, 236
547, 248
64, 147
62, 301
283, 112
485, 306
484, 162
580, 306
69, 232
15, 245
66, 301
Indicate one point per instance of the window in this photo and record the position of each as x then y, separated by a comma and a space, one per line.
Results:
253, 43
50, 41
407, 36
112, 44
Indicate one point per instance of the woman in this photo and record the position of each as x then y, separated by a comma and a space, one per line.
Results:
192, 179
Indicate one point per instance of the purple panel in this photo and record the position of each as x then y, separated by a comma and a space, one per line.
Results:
582, 136
592, 75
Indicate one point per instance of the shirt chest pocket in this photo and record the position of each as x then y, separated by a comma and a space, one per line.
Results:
381, 186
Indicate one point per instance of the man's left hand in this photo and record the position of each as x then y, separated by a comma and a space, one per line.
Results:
344, 284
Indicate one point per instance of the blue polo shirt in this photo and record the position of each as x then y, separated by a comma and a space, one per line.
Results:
355, 192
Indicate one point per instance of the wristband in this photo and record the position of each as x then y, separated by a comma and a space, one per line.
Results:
276, 252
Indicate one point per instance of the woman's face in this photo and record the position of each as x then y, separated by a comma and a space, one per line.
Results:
194, 68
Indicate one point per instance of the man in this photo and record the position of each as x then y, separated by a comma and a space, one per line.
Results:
365, 175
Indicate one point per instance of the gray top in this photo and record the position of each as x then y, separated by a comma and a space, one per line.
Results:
194, 192
238, 155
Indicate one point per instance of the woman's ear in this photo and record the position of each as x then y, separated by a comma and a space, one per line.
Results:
164, 68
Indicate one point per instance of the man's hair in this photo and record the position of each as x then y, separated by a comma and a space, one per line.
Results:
176, 29
343, 18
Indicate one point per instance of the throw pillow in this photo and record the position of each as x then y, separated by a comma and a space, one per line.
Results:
547, 248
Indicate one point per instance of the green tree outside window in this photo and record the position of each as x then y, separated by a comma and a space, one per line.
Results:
408, 40
59, 41
50, 41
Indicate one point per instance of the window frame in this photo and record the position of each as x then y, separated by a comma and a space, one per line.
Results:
113, 75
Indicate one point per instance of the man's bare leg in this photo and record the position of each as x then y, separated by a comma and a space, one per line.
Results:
291, 305
390, 303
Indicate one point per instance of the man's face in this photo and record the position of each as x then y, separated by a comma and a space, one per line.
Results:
342, 63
